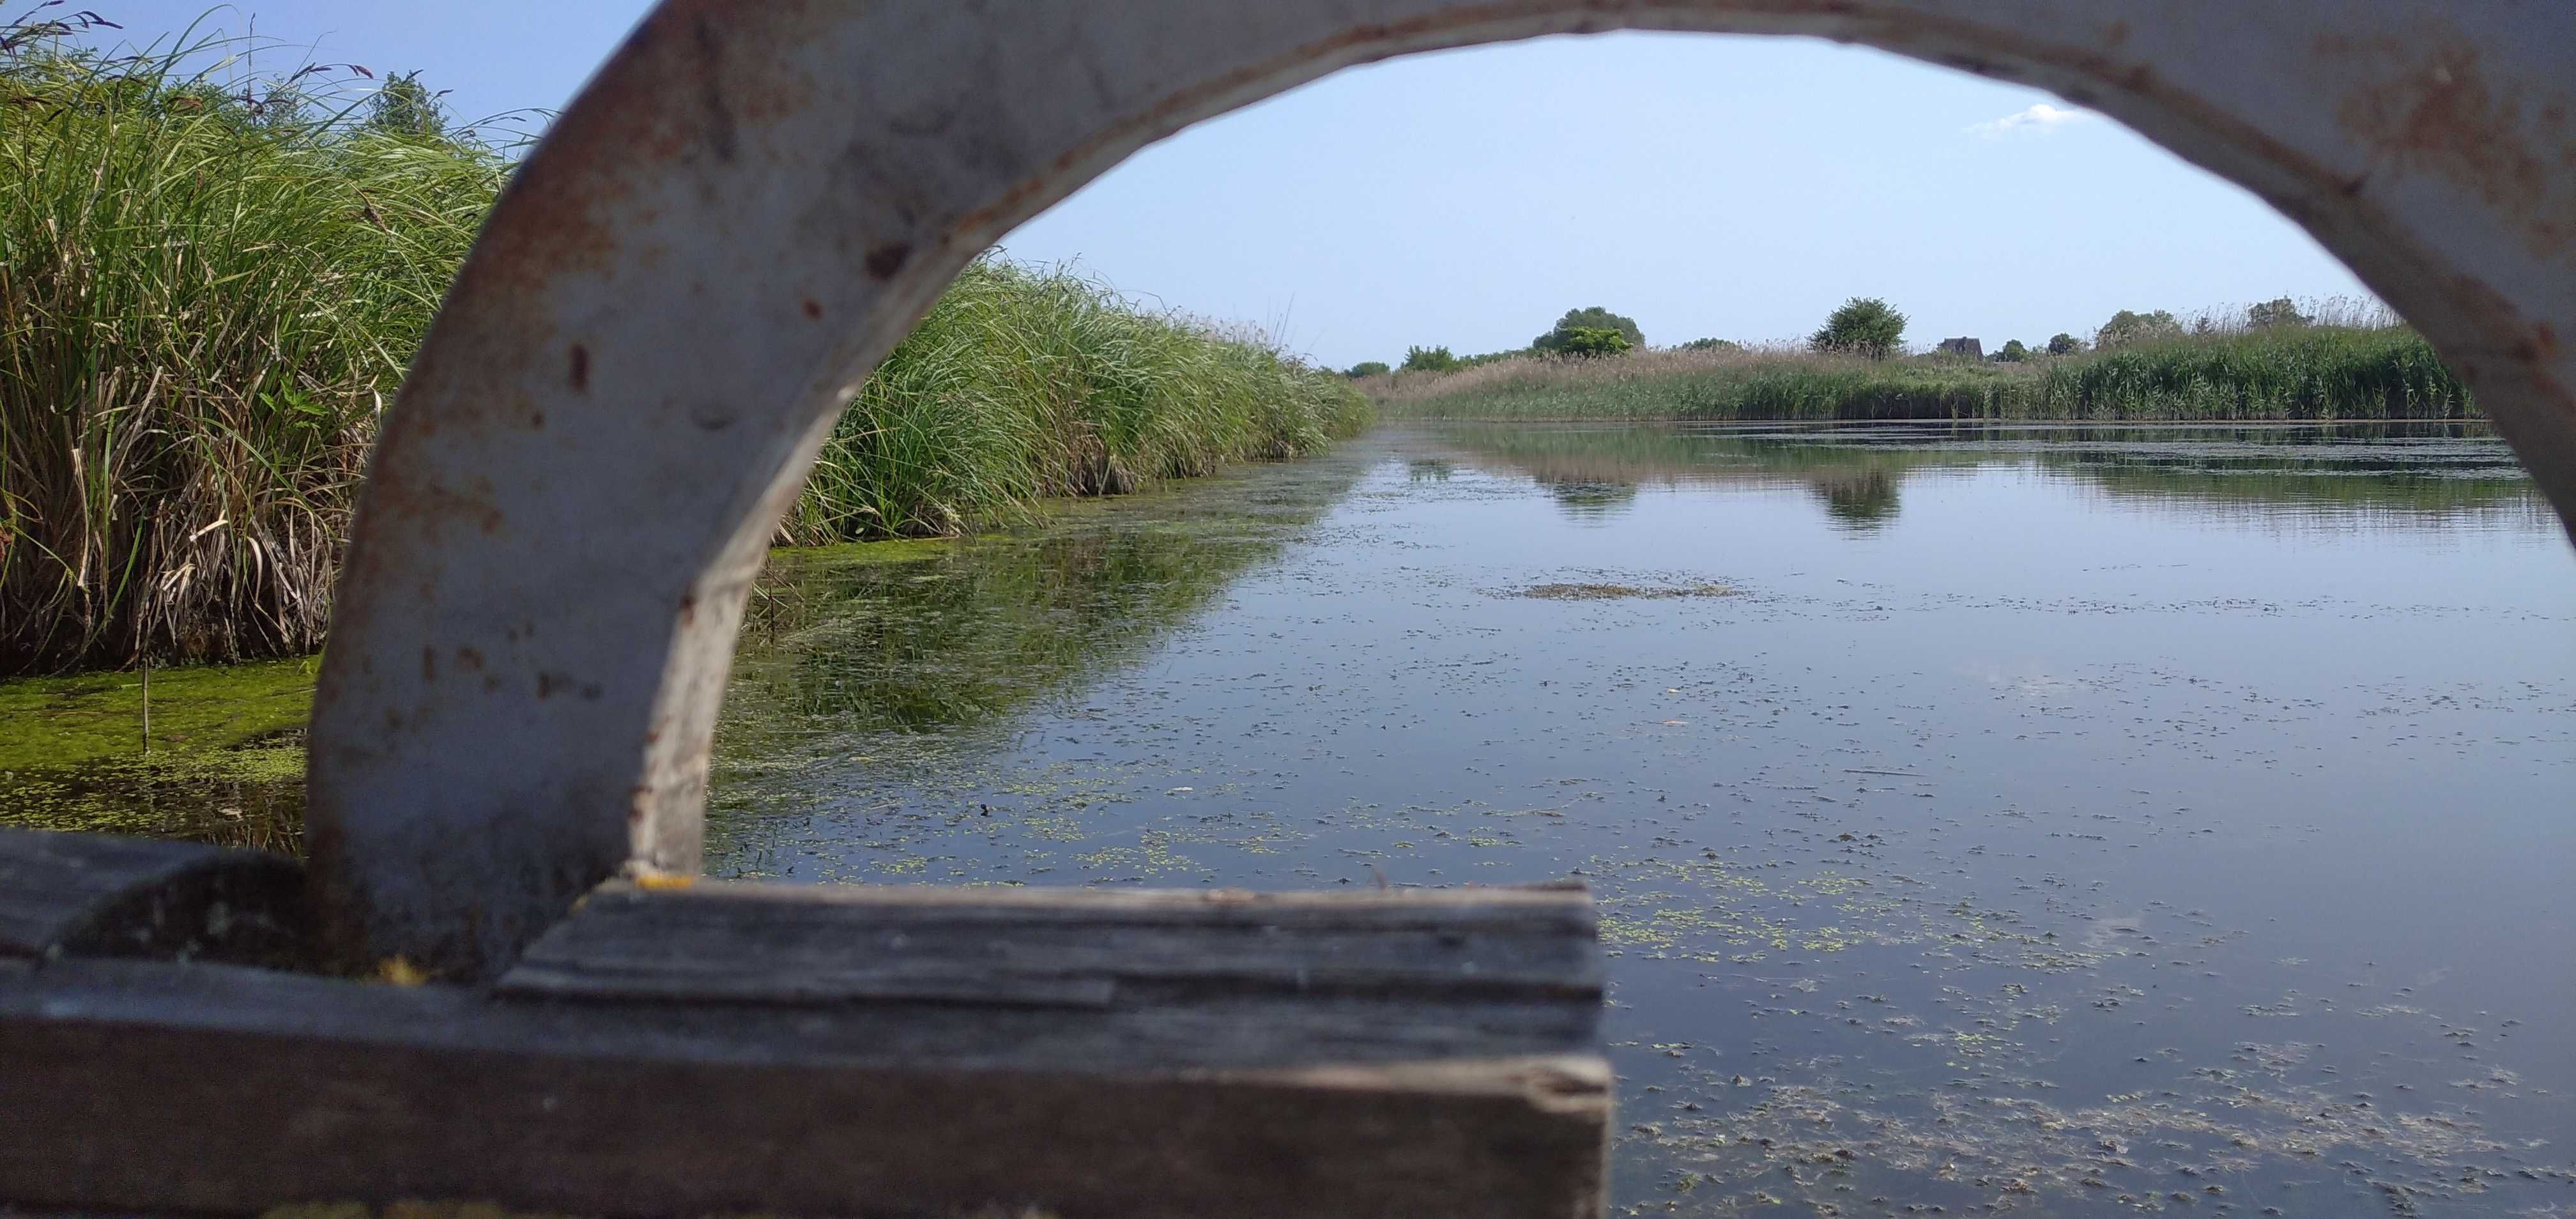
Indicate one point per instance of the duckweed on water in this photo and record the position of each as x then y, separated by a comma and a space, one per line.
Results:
1597, 591
225, 761
72, 721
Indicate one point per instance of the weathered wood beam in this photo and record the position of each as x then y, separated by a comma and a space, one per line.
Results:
107, 895
724, 1048
1058, 947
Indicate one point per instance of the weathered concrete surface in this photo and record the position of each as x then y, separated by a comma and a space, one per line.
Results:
752, 202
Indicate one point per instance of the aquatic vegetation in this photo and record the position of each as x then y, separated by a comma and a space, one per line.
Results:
2337, 372
248, 797
209, 293
1599, 591
223, 760
73, 721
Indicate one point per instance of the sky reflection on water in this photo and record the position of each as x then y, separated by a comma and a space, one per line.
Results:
2051, 819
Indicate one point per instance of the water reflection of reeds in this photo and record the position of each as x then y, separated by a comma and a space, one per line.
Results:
2396, 475
841, 642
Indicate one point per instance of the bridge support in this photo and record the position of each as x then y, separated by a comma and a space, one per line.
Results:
750, 204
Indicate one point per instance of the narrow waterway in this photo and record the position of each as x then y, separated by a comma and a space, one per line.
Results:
2053, 820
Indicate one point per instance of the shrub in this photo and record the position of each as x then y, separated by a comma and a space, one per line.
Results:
1592, 341
1367, 368
1712, 345
2279, 311
2128, 329
2012, 352
2064, 344
1864, 326
405, 107
1429, 359
1591, 318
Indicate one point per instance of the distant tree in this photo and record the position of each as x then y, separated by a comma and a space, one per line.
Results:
2064, 344
2127, 329
1592, 341
1367, 368
1712, 345
406, 107
1429, 359
2277, 312
196, 99
2014, 351
284, 108
1591, 318
1864, 326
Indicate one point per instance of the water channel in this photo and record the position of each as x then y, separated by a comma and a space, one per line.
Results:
2036, 819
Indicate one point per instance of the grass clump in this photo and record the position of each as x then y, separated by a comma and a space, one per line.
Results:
2342, 372
1024, 383
210, 290
205, 298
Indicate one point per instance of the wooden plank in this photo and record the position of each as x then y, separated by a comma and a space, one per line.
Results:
1061, 947
108, 895
224, 1090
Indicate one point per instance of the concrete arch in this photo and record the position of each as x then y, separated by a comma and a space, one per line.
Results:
751, 202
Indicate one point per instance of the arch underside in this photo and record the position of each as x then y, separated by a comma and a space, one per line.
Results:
751, 203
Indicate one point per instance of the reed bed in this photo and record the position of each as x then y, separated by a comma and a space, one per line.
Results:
204, 303
209, 291
1026, 383
2315, 372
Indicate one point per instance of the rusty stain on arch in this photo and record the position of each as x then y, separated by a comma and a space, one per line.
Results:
739, 171
2427, 108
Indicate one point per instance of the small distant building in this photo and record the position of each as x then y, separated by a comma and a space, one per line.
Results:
1969, 348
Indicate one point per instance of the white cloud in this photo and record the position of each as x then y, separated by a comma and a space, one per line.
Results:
2040, 119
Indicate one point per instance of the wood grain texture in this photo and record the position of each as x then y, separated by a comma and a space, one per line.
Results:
220, 1089
1065, 947
108, 895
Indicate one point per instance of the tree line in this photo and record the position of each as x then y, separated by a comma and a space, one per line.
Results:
1864, 326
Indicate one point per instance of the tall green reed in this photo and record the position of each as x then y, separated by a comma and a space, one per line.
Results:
1024, 383
2290, 373
205, 298
209, 290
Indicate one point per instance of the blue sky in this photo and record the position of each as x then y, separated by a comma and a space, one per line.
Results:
1707, 186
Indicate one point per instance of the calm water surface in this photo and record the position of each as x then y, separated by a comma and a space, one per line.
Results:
2065, 821
2044, 820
